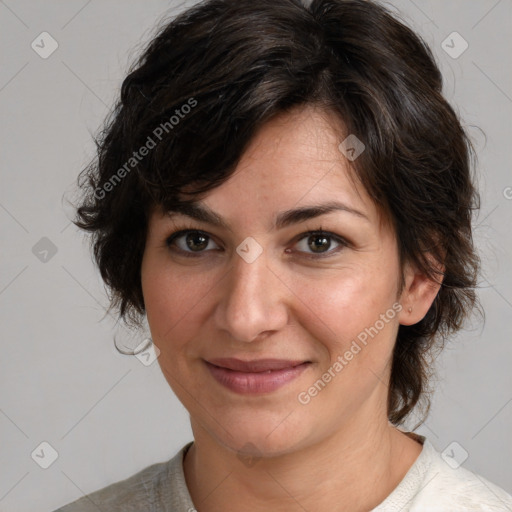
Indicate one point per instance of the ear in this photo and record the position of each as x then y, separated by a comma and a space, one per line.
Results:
418, 293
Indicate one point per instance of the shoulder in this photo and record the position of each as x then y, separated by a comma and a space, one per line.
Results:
436, 483
153, 485
448, 487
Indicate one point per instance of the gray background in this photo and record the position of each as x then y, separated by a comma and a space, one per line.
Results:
62, 381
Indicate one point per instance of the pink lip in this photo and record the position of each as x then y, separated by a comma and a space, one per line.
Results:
258, 376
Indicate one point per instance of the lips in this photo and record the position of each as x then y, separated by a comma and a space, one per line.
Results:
257, 376
256, 366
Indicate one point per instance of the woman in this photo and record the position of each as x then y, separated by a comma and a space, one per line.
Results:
286, 195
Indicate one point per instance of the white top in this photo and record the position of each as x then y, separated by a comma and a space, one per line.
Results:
430, 485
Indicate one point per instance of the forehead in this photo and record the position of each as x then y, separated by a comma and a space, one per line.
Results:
292, 163
293, 160
303, 132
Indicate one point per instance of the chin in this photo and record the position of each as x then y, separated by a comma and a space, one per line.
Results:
254, 436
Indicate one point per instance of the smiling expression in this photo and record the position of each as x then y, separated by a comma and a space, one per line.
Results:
242, 333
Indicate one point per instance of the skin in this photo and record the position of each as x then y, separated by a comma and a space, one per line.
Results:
326, 454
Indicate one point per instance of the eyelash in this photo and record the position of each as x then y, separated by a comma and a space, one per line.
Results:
317, 232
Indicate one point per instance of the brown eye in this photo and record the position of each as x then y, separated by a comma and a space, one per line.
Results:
319, 243
190, 241
196, 241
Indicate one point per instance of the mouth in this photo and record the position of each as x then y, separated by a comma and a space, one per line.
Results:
257, 376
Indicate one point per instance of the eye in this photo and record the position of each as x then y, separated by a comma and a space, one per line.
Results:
318, 243
190, 242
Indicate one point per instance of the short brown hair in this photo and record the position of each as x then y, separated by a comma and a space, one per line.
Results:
214, 74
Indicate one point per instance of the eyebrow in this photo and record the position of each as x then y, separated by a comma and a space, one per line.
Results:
286, 218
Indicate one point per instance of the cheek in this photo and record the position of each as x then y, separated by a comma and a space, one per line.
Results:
355, 319
175, 303
342, 305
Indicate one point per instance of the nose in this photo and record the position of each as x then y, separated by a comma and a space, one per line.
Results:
253, 300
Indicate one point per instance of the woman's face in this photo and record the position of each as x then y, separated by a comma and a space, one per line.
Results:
256, 293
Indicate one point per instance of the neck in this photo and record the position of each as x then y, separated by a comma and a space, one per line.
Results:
340, 469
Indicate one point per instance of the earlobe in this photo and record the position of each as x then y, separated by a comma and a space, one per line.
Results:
417, 295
